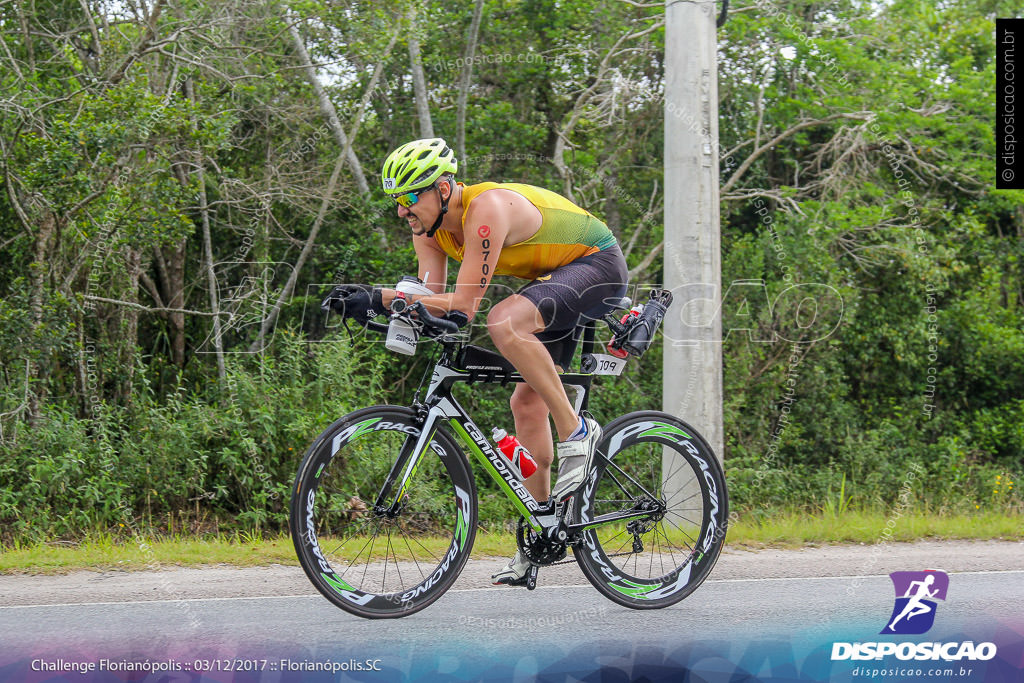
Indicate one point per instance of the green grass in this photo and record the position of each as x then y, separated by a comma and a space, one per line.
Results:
793, 529
785, 529
105, 553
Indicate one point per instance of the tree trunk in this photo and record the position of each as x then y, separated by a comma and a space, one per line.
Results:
176, 300
211, 280
467, 74
47, 229
419, 80
307, 249
128, 318
612, 217
327, 107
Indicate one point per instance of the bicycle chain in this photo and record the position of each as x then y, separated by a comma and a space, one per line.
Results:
575, 561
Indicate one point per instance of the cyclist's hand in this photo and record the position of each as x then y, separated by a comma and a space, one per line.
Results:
359, 302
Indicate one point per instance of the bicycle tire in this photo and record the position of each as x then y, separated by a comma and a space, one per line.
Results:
335, 527
685, 542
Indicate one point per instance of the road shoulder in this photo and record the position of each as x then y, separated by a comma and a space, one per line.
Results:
220, 582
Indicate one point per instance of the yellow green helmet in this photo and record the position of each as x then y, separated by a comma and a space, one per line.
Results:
416, 165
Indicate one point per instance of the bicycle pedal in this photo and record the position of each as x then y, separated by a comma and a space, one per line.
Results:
531, 577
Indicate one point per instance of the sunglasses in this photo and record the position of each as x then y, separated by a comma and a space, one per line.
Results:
407, 199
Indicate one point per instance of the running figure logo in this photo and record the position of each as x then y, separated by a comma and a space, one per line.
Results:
916, 592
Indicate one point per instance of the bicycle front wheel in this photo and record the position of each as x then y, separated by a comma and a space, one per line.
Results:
364, 553
658, 500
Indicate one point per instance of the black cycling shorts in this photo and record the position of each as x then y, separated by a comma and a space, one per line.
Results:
572, 294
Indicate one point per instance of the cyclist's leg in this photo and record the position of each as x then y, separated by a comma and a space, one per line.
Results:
534, 431
555, 302
513, 324
531, 414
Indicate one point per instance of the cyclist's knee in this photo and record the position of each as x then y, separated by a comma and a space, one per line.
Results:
528, 404
513, 319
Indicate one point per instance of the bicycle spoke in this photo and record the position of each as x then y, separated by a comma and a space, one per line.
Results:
685, 533
341, 543
387, 552
357, 555
405, 538
670, 502
670, 545
654, 544
430, 552
631, 479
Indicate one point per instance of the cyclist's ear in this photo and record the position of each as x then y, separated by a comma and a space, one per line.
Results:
449, 182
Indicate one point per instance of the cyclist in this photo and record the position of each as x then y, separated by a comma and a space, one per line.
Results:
572, 261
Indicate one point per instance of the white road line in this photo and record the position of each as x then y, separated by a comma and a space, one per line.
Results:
475, 590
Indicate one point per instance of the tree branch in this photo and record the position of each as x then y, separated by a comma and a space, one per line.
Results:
642, 266
465, 79
757, 153
327, 107
269, 321
419, 79
141, 48
132, 304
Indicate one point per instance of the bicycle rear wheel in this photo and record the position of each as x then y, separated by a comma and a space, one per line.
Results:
658, 464
362, 553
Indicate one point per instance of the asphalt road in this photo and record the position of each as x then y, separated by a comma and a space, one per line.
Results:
753, 624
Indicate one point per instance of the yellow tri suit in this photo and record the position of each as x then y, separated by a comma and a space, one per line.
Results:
566, 233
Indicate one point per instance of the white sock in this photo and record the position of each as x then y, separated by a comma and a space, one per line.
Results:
580, 433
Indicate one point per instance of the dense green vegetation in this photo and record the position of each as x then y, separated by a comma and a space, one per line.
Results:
164, 160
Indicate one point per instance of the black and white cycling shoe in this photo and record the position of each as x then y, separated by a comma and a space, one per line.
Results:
575, 459
515, 573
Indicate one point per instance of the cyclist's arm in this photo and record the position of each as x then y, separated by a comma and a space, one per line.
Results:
486, 228
432, 268
433, 263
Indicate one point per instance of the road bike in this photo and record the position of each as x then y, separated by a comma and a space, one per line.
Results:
384, 507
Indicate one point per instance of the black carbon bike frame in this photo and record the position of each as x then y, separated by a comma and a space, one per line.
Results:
471, 364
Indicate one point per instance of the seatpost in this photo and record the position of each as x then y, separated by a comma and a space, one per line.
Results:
589, 333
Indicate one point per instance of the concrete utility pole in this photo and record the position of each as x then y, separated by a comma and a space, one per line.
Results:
692, 366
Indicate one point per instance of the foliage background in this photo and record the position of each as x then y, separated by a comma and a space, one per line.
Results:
164, 160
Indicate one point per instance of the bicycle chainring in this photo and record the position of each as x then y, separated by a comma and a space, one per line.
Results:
536, 547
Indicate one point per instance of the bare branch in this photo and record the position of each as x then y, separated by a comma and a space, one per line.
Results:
757, 153
419, 80
141, 48
642, 266
327, 107
146, 309
464, 81
286, 291
562, 136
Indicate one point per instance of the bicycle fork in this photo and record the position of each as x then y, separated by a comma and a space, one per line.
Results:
409, 457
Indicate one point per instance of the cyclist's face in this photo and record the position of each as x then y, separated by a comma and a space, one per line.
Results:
424, 212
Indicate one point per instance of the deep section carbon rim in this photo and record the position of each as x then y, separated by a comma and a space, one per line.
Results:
662, 470
363, 553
